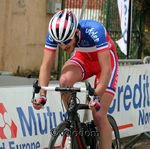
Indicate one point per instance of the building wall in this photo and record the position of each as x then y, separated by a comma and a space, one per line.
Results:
23, 29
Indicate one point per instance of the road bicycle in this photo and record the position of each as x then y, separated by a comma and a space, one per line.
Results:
72, 133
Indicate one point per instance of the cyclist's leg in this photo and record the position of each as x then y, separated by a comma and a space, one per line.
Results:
102, 122
73, 71
100, 117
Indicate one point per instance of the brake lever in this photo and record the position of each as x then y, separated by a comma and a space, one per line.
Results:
89, 89
36, 89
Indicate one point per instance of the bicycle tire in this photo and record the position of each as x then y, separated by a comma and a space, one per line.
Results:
62, 131
116, 143
116, 139
62, 127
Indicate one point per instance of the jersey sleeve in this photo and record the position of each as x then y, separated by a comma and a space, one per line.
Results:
101, 40
50, 44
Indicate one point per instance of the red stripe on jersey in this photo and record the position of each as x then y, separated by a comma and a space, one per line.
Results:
50, 50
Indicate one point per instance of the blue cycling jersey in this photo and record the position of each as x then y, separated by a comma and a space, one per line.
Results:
93, 38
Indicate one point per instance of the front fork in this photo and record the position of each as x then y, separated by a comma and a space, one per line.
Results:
77, 137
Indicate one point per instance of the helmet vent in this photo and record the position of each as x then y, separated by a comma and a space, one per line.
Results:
63, 25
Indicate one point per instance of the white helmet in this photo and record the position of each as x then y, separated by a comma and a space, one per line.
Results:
63, 25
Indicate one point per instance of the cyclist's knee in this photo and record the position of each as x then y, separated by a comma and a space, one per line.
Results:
64, 81
100, 118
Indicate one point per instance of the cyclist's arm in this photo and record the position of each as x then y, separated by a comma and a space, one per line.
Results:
104, 60
45, 69
106, 70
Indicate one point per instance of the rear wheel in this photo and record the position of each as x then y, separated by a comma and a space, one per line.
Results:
116, 136
115, 133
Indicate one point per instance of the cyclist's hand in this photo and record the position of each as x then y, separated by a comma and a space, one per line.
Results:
94, 105
38, 104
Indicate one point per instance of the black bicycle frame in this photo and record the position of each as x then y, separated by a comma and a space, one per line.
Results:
75, 122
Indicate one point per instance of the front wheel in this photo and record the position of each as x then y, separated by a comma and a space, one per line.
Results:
116, 135
61, 137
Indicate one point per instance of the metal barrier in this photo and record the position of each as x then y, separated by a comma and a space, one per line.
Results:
146, 60
126, 62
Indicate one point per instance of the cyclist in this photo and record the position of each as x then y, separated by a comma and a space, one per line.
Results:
94, 53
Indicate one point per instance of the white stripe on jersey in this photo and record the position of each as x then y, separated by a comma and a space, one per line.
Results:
49, 47
114, 69
86, 49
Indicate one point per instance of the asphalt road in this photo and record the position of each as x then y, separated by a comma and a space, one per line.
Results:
142, 143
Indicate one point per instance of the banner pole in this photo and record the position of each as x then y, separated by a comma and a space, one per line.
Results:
129, 28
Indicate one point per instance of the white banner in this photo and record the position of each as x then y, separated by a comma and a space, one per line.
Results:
123, 6
23, 127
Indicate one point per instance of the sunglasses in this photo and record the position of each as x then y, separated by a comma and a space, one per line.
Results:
65, 42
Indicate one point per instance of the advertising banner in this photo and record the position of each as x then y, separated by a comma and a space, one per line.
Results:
23, 127
131, 105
